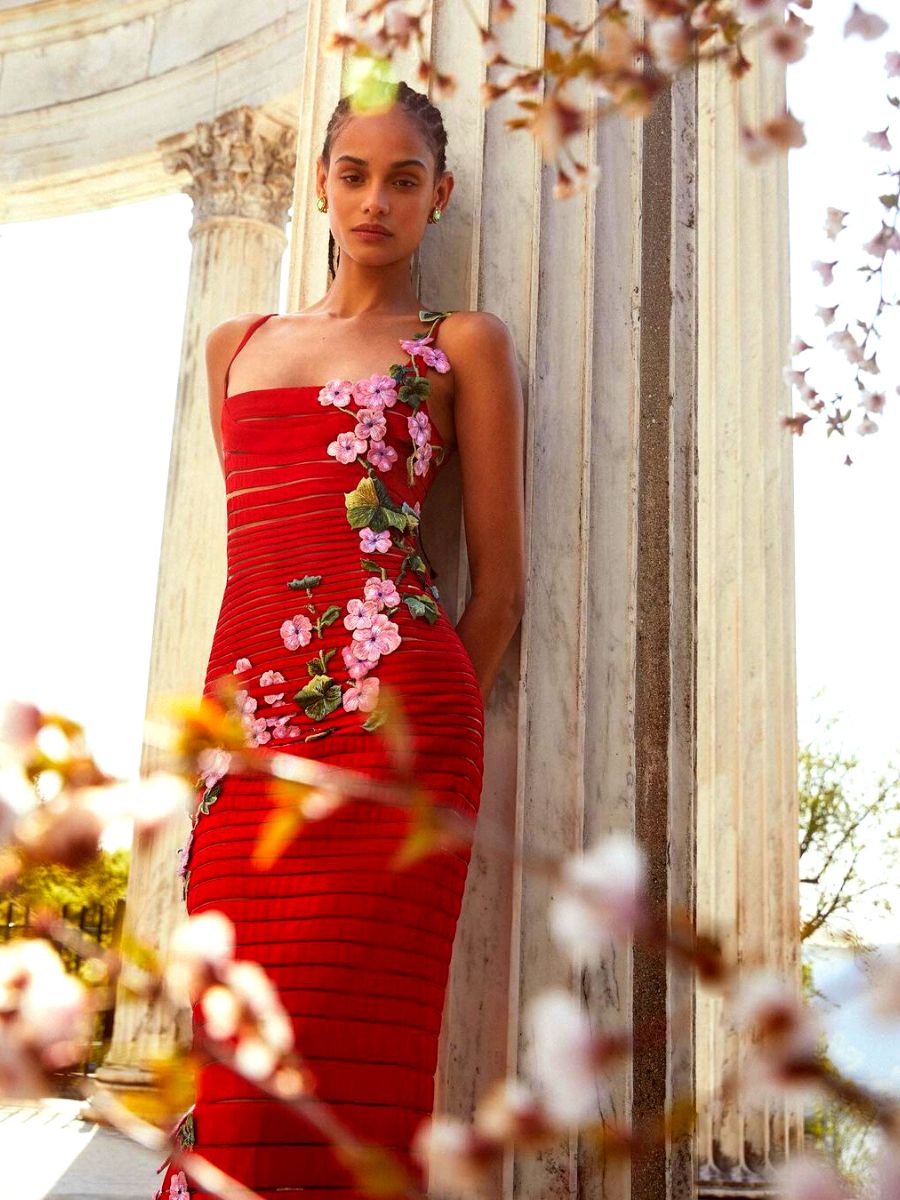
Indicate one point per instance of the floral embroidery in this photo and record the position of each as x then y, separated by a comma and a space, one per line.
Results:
178, 1188
383, 525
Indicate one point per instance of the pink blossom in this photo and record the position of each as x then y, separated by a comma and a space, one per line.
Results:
244, 702
296, 632
422, 458
381, 455
281, 729
213, 764
670, 42
242, 664
259, 734
436, 358
787, 41
826, 314
359, 613
453, 1155
362, 695
338, 392
834, 221
825, 270
184, 853
371, 424
415, 346
866, 24
346, 447
419, 428
178, 1187
866, 425
562, 1059
878, 139
370, 541
603, 897
270, 677
356, 667
381, 637
809, 1177
378, 391
892, 63
382, 591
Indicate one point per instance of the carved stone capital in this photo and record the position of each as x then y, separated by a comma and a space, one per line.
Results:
241, 164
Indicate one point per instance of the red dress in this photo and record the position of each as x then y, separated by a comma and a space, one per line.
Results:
329, 597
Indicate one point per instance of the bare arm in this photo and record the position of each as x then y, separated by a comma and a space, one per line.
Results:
221, 343
489, 422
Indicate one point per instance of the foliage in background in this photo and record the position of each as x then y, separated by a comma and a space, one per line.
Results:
102, 881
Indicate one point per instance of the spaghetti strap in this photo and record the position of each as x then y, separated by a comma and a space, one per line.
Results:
251, 328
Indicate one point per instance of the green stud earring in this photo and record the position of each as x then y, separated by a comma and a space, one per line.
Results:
436, 215
321, 203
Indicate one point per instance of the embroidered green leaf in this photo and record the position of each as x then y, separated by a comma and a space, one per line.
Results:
410, 513
414, 391
186, 1133
421, 605
312, 737
374, 720
308, 581
369, 504
431, 314
328, 617
371, 565
210, 796
320, 697
319, 664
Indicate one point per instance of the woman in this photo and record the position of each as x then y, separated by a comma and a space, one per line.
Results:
327, 458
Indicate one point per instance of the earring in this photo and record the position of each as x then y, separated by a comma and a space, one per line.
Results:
436, 215
321, 204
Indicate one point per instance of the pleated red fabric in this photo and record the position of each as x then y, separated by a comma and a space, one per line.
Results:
329, 597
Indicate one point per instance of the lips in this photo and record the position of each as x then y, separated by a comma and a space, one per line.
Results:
371, 229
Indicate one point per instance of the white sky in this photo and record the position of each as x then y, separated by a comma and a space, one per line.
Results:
88, 397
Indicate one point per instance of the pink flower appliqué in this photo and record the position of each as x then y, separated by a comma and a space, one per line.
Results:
259, 733
370, 541
431, 355
346, 447
242, 664
381, 455
371, 424
382, 591
378, 391
296, 632
381, 637
213, 764
362, 695
338, 392
356, 667
178, 1187
421, 459
360, 613
244, 702
281, 729
419, 428
184, 853
266, 680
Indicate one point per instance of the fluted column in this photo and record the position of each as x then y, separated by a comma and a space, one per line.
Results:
590, 725
238, 171
746, 706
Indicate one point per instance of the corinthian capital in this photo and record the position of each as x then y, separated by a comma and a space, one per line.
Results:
241, 164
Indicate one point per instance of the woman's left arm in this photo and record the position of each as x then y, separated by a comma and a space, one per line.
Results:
489, 424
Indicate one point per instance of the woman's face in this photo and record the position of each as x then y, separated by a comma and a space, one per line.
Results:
381, 173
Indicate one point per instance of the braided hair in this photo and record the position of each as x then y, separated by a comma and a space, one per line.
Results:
418, 107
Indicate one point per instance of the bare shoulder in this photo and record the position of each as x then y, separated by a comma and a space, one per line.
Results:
224, 337
472, 337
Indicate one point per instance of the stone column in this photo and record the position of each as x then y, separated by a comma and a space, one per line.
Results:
238, 171
590, 726
746, 705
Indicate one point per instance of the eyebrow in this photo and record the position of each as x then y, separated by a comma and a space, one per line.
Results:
403, 162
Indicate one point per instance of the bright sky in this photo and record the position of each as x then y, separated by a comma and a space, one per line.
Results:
89, 395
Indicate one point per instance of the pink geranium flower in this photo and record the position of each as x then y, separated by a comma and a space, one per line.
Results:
242, 664
356, 667
266, 679
362, 695
370, 541
371, 424
259, 733
378, 391
419, 428
244, 702
178, 1187
436, 358
338, 392
297, 632
415, 346
382, 591
360, 612
346, 447
381, 455
421, 459
281, 729
381, 637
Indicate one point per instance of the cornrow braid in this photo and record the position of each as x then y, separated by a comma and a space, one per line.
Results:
423, 112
